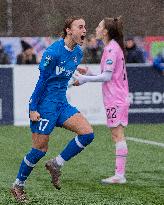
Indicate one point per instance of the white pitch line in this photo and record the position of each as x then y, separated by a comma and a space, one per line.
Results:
145, 141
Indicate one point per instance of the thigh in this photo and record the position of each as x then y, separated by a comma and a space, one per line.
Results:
49, 113
40, 141
44, 126
78, 124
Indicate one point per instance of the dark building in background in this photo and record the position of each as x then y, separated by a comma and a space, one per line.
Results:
44, 18
3, 17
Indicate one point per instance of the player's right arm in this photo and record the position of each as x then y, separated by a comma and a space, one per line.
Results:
45, 67
103, 77
86, 71
34, 116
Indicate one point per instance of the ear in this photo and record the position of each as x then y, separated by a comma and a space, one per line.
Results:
105, 32
68, 30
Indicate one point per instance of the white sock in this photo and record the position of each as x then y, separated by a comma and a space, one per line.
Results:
121, 144
60, 161
19, 183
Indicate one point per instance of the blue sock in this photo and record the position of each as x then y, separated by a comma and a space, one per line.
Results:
28, 163
76, 145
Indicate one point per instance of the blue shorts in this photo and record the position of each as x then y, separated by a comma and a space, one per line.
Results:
52, 114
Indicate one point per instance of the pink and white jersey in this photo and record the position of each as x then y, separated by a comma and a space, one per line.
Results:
116, 90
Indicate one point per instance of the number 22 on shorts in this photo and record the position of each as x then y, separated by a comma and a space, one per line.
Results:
111, 113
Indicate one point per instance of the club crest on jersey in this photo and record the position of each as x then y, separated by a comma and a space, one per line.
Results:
47, 60
109, 62
75, 59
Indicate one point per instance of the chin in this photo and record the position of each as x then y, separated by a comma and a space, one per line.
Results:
80, 43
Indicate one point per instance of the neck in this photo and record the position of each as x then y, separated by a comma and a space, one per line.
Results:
69, 43
106, 40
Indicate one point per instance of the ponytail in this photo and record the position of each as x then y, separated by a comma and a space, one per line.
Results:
114, 27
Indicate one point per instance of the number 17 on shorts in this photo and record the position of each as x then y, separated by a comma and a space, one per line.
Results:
117, 115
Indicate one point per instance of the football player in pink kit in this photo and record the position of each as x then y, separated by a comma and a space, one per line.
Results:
114, 88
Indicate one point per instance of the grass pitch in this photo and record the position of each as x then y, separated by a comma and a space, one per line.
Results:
81, 176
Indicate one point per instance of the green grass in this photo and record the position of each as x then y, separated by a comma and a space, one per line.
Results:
81, 176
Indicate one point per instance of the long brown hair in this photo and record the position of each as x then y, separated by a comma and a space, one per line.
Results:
114, 27
68, 23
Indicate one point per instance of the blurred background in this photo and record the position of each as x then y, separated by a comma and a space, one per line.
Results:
39, 22
28, 27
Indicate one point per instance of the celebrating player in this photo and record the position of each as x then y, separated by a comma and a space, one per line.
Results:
49, 107
114, 88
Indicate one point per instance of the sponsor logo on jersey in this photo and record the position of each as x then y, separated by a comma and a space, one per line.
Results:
59, 70
69, 72
75, 59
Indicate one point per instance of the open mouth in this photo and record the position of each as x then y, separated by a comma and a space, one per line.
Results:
82, 37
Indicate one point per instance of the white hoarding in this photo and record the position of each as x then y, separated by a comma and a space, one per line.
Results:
25, 78
87, 98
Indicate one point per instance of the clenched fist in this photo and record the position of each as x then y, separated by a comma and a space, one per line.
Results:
34, 116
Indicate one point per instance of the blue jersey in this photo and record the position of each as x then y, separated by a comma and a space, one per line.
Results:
56, 68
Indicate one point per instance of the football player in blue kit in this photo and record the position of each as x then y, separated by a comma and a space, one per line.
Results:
48, 107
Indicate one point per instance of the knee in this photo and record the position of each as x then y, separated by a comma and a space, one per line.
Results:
114, 137
42, 147
117, 138
85, 130
90, 131
40, 142
86, 139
